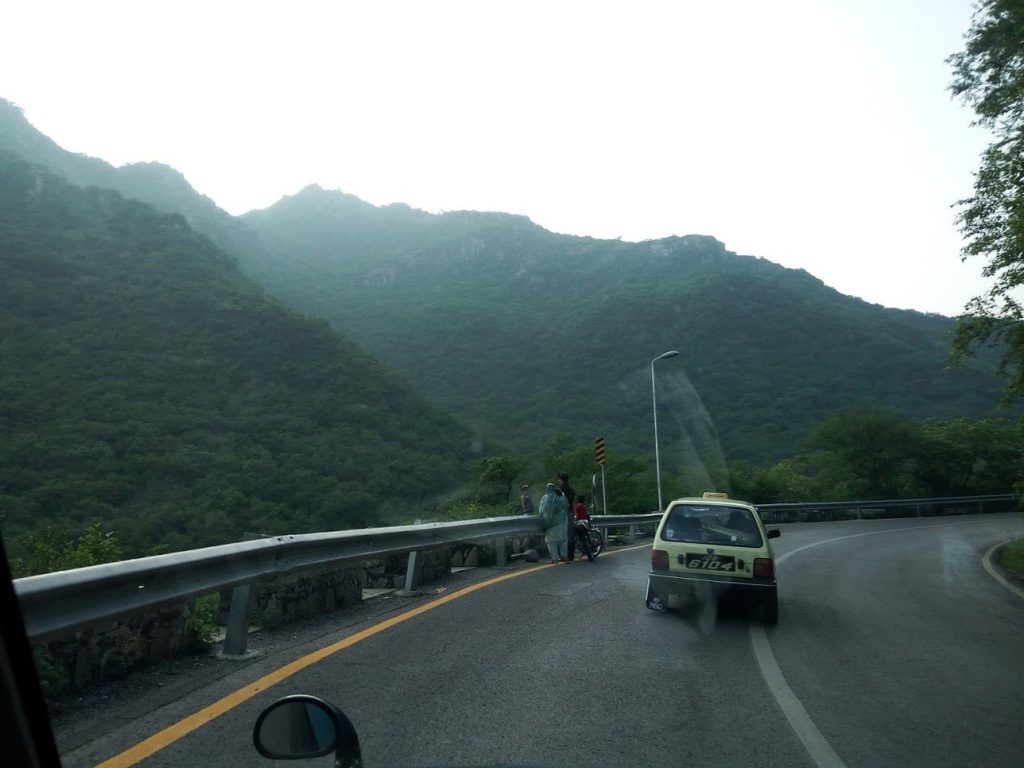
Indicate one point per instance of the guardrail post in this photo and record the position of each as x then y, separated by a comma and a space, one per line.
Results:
236, 638
412, 571
632, 534
499, 552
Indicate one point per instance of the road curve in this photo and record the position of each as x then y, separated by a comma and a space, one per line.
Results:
895, 642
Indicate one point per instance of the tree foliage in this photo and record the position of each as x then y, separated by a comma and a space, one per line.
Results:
496, 475
865, 453
875, 454
51, 547
989, 76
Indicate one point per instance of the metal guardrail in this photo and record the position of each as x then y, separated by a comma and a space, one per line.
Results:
778, 513
613, 521
56, 603
872, 503
633, 521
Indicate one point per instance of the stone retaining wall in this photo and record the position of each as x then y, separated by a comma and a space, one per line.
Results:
112, 650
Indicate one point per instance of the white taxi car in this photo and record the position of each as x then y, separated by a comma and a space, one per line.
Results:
709, 546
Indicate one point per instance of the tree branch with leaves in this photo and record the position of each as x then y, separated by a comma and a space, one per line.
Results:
989, 76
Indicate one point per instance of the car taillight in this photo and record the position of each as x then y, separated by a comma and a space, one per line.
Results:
659, 560
764, 568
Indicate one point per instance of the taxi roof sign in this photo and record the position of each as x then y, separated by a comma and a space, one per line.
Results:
715, 495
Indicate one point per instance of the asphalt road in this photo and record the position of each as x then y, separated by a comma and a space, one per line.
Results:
894, 647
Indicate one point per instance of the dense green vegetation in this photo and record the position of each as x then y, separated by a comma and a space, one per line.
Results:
146, 383
864, 454
877, 454
492, 487
51, 547
1012, 558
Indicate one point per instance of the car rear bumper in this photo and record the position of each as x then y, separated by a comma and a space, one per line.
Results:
663, 583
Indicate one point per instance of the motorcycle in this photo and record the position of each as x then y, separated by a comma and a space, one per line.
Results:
589, 540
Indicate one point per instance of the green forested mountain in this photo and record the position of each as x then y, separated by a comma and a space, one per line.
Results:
146, 382
526, 332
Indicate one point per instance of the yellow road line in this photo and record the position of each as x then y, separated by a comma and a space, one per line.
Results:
182, 728
626, 549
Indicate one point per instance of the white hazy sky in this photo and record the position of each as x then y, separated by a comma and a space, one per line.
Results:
815, 133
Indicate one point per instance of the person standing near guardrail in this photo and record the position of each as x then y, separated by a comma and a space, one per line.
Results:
570, 525
554, 514
525, 502
525, 508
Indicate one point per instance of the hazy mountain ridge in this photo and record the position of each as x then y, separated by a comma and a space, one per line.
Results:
528, 332
154, 183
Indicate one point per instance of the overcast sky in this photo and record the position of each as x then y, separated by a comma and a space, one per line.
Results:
815, 133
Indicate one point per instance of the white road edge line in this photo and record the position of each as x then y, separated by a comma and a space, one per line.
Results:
987, 562
783, 558
817, 746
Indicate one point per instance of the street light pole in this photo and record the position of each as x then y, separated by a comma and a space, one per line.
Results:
654, 402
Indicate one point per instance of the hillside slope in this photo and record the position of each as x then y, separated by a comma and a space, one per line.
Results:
146, 382
157, 184
527, 332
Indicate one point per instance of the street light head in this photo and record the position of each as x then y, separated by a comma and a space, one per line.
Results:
663, 355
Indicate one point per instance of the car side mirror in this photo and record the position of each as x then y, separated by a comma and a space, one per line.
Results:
774, 533
301, 727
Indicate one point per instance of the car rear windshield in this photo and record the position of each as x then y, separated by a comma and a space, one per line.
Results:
712, 524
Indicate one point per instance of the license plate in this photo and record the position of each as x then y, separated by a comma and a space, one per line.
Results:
711, 562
